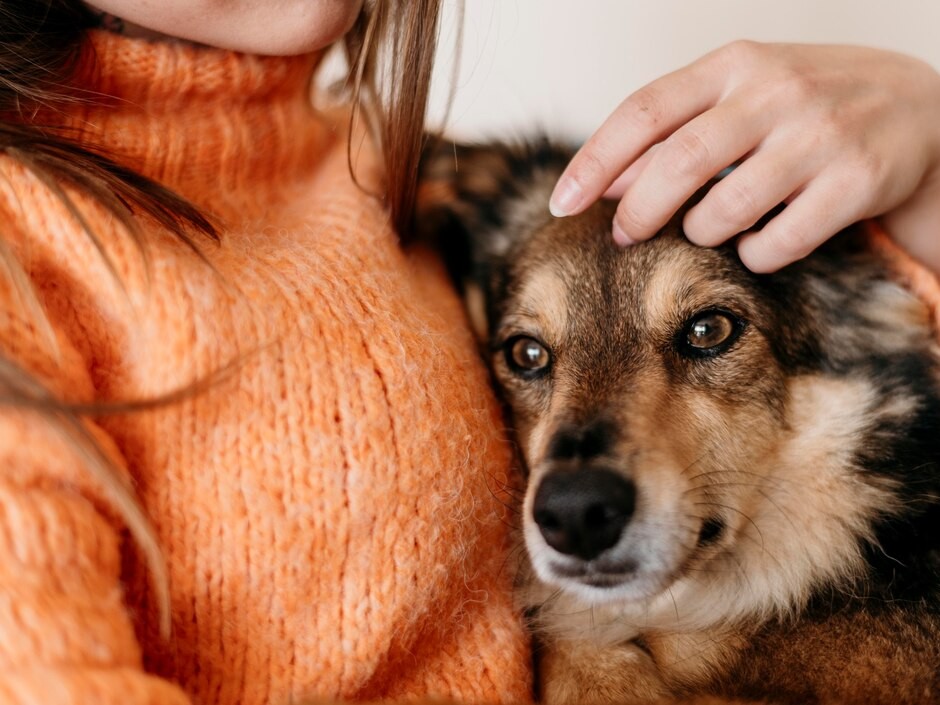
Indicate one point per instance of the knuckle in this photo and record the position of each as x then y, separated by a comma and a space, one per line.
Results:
742, 51
645, 108
687, 154
832, 124
744, 56
867, 170
796, 87
827, 135
734, 205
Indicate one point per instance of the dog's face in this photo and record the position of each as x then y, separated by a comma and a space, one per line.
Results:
643, 388
680, 418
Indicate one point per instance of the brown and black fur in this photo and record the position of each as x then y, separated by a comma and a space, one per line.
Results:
781, 490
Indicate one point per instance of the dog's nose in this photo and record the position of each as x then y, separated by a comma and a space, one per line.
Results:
582, 513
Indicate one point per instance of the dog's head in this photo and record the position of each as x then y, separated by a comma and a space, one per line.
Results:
678, 415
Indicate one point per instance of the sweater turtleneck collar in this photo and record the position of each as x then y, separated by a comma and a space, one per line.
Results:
207, 123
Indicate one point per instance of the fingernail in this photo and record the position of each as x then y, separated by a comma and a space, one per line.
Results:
565, 198
621, 238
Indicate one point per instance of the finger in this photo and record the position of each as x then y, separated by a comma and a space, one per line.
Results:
815, 215
759, 184
626, 179
641, 120
685, 162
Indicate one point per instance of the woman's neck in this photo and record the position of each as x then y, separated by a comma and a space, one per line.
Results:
216, 126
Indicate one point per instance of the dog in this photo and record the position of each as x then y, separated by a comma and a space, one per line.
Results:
732, 480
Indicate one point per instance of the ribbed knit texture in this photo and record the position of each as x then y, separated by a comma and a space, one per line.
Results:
328, 513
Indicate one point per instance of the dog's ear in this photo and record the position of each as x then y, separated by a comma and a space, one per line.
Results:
476, 203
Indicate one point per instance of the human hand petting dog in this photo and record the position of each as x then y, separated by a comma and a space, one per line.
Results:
838, 133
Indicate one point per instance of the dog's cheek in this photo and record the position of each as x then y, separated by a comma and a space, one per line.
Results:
529, 404
710, 448
534, 433
745, 382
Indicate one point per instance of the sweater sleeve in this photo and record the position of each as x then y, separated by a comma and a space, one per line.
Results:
66, 635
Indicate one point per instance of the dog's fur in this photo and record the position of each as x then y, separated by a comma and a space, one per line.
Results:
785, 540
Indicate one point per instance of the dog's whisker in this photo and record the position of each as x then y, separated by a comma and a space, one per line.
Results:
675, 604
516, 555
780, 509
695, 462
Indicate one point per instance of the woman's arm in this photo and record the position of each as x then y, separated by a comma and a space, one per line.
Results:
66, 632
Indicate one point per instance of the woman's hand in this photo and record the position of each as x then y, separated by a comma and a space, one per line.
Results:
838, 133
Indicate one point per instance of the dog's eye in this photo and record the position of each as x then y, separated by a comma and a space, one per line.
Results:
710, 333
527, 355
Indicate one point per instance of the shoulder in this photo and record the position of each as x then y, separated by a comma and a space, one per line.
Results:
64, 267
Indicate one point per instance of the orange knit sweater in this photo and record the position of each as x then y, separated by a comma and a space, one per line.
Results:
327, 514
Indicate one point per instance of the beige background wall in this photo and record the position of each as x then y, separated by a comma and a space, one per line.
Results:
562, 65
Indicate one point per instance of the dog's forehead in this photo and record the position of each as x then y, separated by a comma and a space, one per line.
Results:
572, 273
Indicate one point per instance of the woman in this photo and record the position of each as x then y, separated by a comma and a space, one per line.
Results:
283, 408
248, 452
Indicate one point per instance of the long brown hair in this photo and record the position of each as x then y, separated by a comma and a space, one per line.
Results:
391, 48
389, 51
